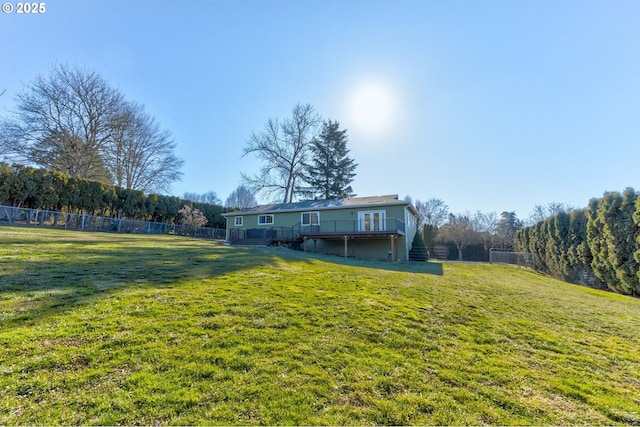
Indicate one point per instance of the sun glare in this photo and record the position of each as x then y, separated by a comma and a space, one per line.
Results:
373, 109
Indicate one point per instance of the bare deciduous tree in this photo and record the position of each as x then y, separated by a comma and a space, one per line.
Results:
210, 197
541, 213
432, 212
141, 155
67, 153
282, 147
483, 222
8, 141
460, 231
74, 122
241, 198
64, 121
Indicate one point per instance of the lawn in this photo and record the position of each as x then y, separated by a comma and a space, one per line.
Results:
107, 329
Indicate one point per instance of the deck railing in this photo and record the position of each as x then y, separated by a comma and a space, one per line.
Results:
324, 228
355, 226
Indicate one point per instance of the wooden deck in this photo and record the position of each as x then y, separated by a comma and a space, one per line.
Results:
391, 228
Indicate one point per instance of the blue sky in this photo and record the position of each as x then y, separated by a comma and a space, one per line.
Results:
487, 105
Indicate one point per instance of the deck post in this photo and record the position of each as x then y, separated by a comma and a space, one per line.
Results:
394, 248
346, 253
315, 246
304, 243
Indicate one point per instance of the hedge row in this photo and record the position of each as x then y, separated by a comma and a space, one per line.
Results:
603, 240
49, 190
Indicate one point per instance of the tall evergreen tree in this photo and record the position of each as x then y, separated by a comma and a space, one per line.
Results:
579, 254
418, 251
540, 243
331, 171
621, 233
561, 239
611, 238
507, 227
636, 219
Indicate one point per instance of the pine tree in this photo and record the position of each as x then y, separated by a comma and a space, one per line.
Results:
331, 170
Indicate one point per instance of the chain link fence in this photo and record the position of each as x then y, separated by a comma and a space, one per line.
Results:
502, 256
10, 215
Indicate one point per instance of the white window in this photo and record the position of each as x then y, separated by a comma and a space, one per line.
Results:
265, 219
238, 221
372, 220
310, 218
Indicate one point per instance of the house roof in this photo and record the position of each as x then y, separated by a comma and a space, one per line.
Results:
319, 205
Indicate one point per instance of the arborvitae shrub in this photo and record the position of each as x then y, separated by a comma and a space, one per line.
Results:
418, 251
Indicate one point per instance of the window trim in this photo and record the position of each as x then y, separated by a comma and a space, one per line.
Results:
310, 214
262, 219
239, 223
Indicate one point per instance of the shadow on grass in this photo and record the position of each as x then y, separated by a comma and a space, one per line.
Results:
434, 268
46, 273
42, 275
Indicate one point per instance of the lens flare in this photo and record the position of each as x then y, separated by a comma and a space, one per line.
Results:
373, 109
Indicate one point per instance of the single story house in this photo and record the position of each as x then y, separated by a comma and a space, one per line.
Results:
379, 227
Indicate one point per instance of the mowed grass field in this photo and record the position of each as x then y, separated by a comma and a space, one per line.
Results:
110, 329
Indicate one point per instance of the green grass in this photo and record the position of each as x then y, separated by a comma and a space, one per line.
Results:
109, 329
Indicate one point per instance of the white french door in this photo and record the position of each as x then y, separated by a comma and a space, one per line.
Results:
372, 220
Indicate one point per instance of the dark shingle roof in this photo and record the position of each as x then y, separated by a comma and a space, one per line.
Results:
318, 205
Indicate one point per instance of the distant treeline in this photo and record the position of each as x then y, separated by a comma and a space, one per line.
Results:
34, 188
603, 240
